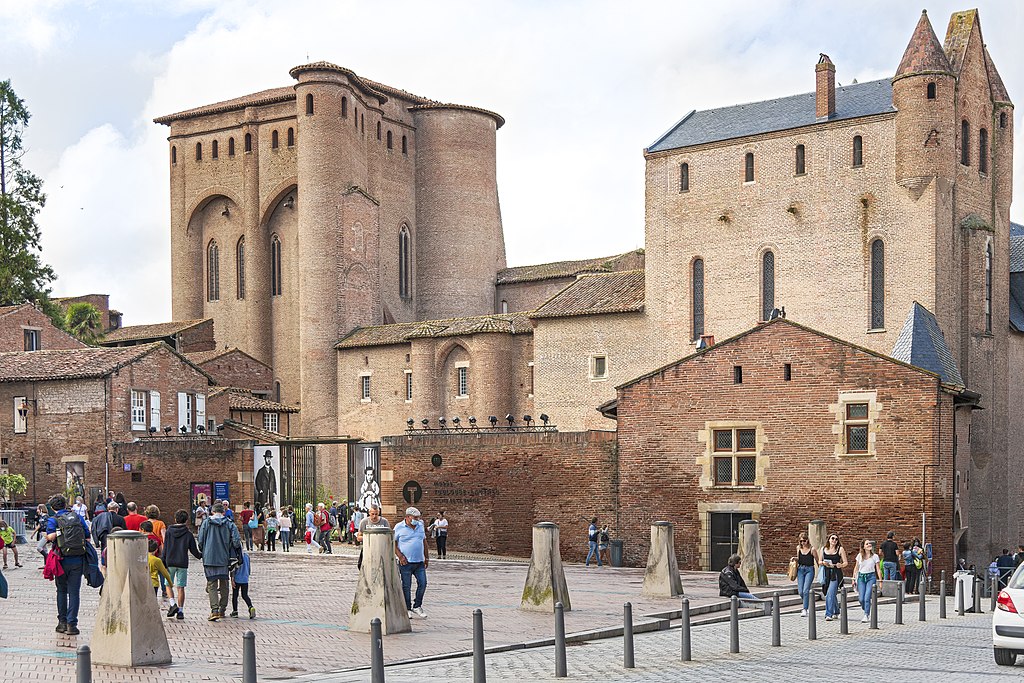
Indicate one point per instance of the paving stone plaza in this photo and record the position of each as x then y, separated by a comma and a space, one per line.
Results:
303, 601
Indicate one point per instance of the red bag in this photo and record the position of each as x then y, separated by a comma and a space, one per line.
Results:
309, 537
53, 568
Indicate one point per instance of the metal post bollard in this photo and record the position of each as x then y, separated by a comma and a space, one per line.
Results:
873, 624
84, 665
978, 585
248, 657
479, 667
995, 594
734, 625
959, 590
899, 604
627, 636
560, 670
942, 595
376, 652
922, 600
844, 616
812, 611
685, 628
776, 620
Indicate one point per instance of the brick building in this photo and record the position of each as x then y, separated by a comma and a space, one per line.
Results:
233, 367
110, 319
187, 336
26, 328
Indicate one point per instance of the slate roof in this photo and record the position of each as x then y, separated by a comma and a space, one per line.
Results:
58, 364
784, 113
241, 399
1016, 229
594, 294
564, 269
401, 333
1017, 278
921, 344
156, 331
924, 54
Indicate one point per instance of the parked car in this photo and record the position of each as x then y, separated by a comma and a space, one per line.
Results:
1008, 621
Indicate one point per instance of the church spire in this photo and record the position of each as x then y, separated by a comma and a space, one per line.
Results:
924, 53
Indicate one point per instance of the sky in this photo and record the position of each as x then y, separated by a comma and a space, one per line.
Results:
584, 88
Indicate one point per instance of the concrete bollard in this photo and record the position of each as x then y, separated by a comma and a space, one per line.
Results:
661, 579
129, 630
942, 595
844, 615
873, 620
685, 628
751, 561
627, 637
734, 625
376, 645
560, 668
776, 620
248, 657
479, 665
922, 599
379, 589
545, 579
84, 665
817, 533
899, 604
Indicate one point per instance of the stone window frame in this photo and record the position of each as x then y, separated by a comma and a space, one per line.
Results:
876, 282
408, 386
838, 409
858, 151
272, 422
462, 379
592, 373
706, 460
365, 386
704, 510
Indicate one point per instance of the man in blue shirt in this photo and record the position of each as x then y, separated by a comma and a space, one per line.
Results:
69, 585
413, 559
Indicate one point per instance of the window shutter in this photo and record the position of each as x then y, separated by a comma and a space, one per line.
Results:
154, 409
183, 408
201, 410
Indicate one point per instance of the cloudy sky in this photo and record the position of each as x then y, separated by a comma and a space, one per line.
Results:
584, 87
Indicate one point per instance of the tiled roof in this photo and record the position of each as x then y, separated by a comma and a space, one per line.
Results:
200, 357
157, 331
924, 53
594, 294
996, 85
262, 97
785, 113
32, 366
564, 269
922, 344
7, 310
241, 399
401, 333
258, 433
957, 35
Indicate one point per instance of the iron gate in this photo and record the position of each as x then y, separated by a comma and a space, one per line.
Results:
298, 475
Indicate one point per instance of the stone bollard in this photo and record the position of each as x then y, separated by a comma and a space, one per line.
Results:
379, 589
817, 533
545, 580
751, 561
129, 630
662, 580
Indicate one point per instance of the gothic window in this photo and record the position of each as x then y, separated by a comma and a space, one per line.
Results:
231, 147
214, 151
684, 177
965, 143
983, 150
988, 287
858, 151
355, 116
199, 151
1002, 119
378, 130
877, 285
405, 145
273, 140
275, 266
248, 142
697, 289
240, 268
390, 144
309, 104
291, 137
362, 123
174, 155
344, 107
748, 163
212, 272
767, 285
404, 263
800, 169
931, 90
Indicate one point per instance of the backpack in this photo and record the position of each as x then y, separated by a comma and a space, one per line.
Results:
918, 561
604, 537
70, 534
319, 519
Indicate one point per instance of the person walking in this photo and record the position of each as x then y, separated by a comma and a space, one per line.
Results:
890, 558
730, 581
323, 525
909, 569
133, 519
833, 561
413, 559
806, 564
8, 538
592, 541
178, 543
68, 533
218, 542
1004, 563
103, 524
200, 514
248, 519
240, 584
285, 522
39, 534
272, 524
80, 508
259, 534
439, 528
1018, 557
311, 530
602, 545
159, 530
157, 568
869, 570
122, 505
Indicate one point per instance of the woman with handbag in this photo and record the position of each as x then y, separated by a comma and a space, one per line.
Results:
833, 560
869, 571
802, 569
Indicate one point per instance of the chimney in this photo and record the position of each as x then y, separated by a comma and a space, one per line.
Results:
825, 100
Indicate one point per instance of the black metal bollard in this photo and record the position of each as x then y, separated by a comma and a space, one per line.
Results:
734, 625
560, 669
873, 622
84, 664
978, 586
844, 614
376, 652
776, 620
812, 613
942, 595
248, 657
995, 594
479, 666
627, 636
959, 590
685, 628
922, 600
899, 604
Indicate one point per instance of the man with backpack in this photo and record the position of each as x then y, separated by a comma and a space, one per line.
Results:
68, 532
322, 520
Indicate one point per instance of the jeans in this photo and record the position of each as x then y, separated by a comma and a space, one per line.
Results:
910, 587
743, 595
832, 598
866, 584
890, 571
244, 589
804, 582
442, 545
217, 589
408, 570
325, 540
247, 533
69, 588
593, 553
286, 538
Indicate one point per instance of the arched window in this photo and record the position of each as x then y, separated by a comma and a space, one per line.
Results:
199, 151
231, 147
214, 151
405, 145
767, 285
390, 145
248, 142
799, 159
212, 272
404, 263
275, 266
291, 137
965, 143
983, 150
344, 107
355, 116
748, 164
988, 287
858, 151
273, 140
504, 306
877, 285
378, 130
697, 297
277, 390
309, 104
684, 177
240, 268
174, 155
931, 90
1002, 119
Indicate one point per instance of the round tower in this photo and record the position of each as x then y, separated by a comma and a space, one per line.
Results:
923, 92
460, 246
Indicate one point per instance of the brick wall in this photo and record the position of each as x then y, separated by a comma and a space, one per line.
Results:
239, 369
197, 338
14, 324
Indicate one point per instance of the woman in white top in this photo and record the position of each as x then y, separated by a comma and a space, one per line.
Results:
284, 523
440, 530
868, 572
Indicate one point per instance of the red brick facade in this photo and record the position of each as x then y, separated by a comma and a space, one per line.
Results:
235, 368
15, 320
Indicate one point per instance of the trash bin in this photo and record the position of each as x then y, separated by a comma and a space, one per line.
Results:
964, 582
616, 552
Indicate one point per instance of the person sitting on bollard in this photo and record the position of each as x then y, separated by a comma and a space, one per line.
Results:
833, 560
806, 563
868, 573
730, 582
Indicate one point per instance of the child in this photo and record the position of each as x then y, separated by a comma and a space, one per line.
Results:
240, 582
7, 534
179, 543
156, 567
272, 525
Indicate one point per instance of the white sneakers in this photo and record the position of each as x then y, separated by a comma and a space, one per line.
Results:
419, 612
865, 619
803, 613
411, 615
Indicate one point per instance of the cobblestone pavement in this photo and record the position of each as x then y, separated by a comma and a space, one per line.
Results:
955, 649
302, 605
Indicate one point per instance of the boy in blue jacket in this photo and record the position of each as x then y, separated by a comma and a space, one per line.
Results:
240, 583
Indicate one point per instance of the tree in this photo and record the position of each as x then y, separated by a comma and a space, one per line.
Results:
12, 485
83, 320
23, 275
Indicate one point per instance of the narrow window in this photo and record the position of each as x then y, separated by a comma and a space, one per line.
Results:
174, 155
983, 150
931, 90
355, 116
405, 145
20, 414
767, 285
463, 374
504, 306
275, 266
408, 385
1002, 119
248, 142
598, 367
212, 272
858, 151
364, 387
199, 151
404, 263
684, 177
240, 268
277, 390
856, 427
390, 145
214, 151
697, 291
362, 123
965, 143
737, 374
787, 372
988, 287
309, 104
32, 340
291, 137
378, 130
877, 285
231, 147
748, 162
344, 107
530, 369
138, 410
273, 140
799, 159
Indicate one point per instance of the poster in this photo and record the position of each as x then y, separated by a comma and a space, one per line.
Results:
202, 494
267, 484
221, 491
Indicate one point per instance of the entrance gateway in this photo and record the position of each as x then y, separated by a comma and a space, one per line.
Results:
725, 536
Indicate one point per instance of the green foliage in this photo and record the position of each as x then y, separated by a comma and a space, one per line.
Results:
83, 320
23, 275
11, 486
323, 495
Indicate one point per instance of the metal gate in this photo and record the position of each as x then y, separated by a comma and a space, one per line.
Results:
298, 475
361, 456
725, 536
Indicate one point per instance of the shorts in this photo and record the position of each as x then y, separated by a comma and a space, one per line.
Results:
179, 576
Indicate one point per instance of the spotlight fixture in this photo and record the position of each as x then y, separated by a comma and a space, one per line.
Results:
425, 422
220, 428
167, 429
289, 202
511, 420
411, 423
152, 431
527, 419
457, 422
545, 419
184, 429
472, 421
443, 422
201, 429
493, 420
